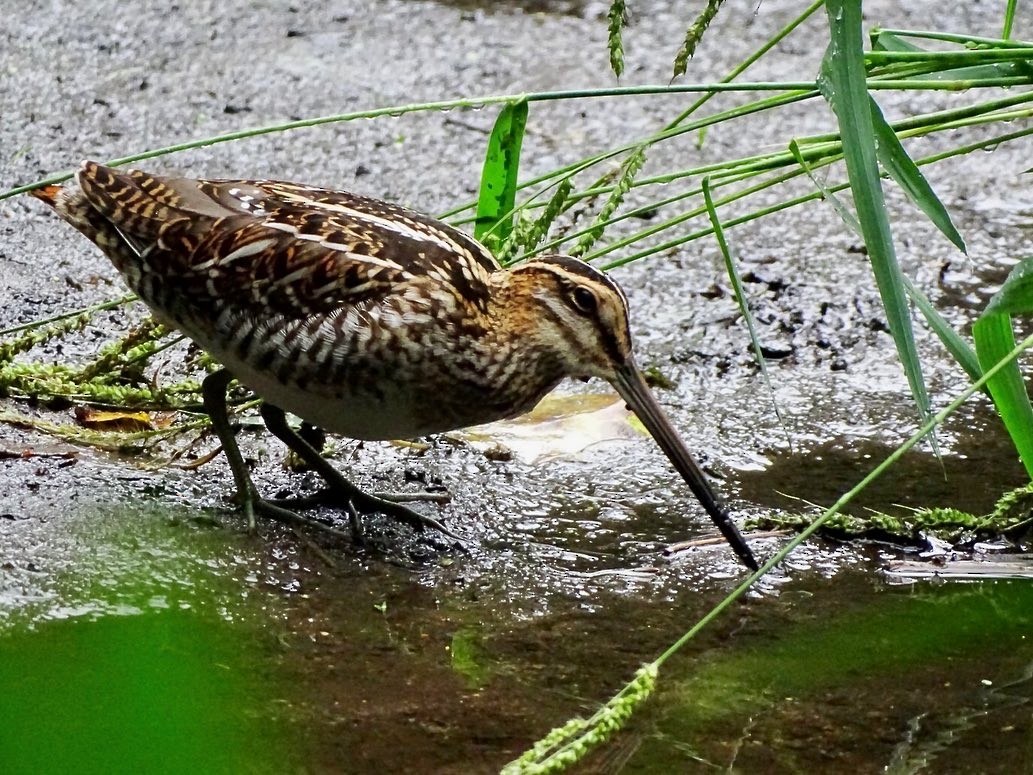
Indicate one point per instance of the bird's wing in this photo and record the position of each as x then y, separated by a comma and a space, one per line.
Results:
295, 249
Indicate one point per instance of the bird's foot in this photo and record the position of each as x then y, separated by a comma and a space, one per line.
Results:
358, 502
283, 510
274, 510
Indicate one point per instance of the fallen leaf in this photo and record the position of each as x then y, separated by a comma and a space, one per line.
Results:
114, 420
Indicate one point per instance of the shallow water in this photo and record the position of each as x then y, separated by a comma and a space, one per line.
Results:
172, 643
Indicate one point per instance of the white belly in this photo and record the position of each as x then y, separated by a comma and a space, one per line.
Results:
358, 416
385, 395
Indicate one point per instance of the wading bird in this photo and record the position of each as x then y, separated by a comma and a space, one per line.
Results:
361, 317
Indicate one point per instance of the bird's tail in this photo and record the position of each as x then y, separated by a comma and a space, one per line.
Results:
48, 194
72, 206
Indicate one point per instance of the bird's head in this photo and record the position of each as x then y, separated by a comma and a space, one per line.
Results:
579, 317
577, 314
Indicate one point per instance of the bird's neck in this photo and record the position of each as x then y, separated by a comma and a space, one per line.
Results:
524, 363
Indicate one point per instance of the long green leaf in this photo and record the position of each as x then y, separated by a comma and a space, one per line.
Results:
994, 339
842, 83
902, 168
956, 345
499, 175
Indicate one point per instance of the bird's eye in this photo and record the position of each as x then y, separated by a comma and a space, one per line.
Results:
583, 299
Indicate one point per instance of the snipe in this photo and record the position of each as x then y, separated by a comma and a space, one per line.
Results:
361, 317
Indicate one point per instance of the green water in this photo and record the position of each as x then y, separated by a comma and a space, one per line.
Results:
162, 691
857, 679
138, 639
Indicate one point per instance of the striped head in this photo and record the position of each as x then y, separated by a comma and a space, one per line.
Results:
575, 313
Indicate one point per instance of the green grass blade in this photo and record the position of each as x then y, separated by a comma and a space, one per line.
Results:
994, 339
842, 82
740, 297
1009, 19
826, 193
993, 335
883, 40
955, 343
1016, 295
499, 175
900, 166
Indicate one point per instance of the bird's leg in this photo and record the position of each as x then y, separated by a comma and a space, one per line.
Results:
340, 488
213, 393
316, 438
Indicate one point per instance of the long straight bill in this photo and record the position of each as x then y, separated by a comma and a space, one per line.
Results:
633, 389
